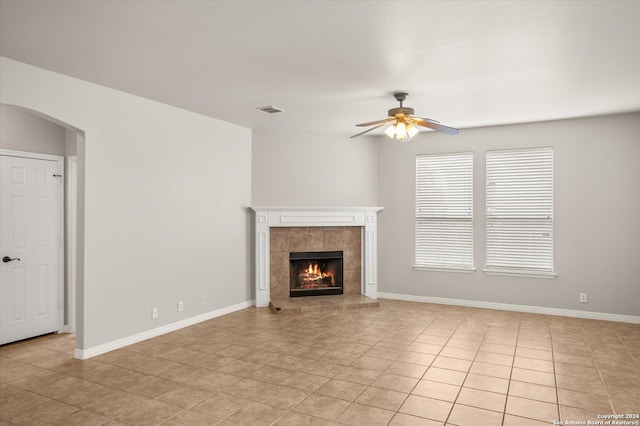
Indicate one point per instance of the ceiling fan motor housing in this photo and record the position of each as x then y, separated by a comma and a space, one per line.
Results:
402, 110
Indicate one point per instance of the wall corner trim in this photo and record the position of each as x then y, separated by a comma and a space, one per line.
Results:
516, 308
155, 332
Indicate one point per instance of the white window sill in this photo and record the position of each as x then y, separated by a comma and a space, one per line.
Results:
444, 269
517, 273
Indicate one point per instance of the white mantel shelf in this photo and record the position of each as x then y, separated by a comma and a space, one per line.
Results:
269, 217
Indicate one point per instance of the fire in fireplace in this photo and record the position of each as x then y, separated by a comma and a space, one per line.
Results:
315, 273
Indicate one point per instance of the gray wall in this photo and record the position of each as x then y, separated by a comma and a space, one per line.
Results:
21, 130
306, 169
596, 216
165, 193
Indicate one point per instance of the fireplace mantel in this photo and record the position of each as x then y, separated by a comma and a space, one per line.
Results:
270, 217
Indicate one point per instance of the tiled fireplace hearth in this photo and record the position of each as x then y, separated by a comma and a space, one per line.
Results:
280, 231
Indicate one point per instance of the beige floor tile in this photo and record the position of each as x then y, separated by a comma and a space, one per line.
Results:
531, 409
341, 389
533, 391
429, 408
534, 353
580, 384
401, 419
357, 375
462, 415
424, 348
497, 348
444, 376
184, 397
436, 390
494, 358
257, 414
40, 413
493, 370
364, 415
305, 382
533, 364
491, 384
371, 363
395, 382
282, 397
293, 418
510, 420
340, 357
432, 340
77, 418
459, 353
114, 404
190, 418
451, 363
482, 399
149, 413
219, 405
406, 369
248, 389
533, 376
253, 367
567, 369
544, 345
416, 358
382, 398
463, 344
580, 414
587, 401
322, 406
322, 368
271, 374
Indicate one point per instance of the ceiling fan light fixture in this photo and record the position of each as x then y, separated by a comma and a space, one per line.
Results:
401, 130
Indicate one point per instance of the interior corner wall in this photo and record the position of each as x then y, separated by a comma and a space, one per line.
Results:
311, 170
165, 193
596, 216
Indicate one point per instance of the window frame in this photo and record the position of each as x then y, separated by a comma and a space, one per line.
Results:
458, 217
534, 178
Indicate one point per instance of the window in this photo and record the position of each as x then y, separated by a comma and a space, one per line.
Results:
444, 211
520, 212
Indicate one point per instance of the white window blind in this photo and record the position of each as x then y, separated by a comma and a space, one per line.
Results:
520, 211
444, 211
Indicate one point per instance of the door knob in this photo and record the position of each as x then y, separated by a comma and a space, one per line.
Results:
7, 259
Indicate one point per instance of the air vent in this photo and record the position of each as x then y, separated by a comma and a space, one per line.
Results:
270, 109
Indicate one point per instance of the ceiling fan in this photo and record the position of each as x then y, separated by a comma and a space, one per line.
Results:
403, 124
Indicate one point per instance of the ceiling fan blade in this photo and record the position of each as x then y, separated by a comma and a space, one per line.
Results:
371, 123
438, 127
368, 130
426, 119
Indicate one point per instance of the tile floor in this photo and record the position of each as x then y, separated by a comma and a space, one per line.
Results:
403, 363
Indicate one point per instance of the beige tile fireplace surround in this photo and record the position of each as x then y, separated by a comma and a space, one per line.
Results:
285, 240
281, 230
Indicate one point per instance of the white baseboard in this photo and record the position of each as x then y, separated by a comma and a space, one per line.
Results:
517, 308
129, 340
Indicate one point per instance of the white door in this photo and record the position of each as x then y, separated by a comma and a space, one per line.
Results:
30, 246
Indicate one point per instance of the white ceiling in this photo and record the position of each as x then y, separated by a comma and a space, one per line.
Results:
331, 64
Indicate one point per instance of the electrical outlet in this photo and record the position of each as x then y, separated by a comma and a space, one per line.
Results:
583, 297
180, 306
154, 313
204, 300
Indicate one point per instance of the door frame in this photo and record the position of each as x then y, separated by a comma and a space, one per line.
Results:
60, 222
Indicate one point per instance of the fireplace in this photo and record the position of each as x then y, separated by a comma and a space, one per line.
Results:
315, 273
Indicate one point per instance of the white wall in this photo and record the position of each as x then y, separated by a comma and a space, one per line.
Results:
306, 169
165, 196
597, 216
